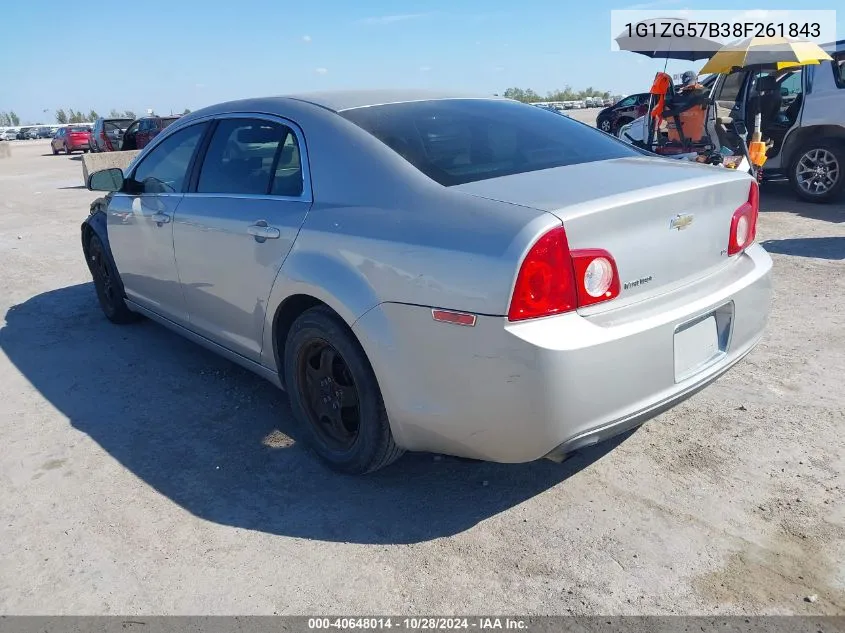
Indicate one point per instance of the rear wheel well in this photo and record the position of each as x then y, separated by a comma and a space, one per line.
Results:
805, 135
288, 312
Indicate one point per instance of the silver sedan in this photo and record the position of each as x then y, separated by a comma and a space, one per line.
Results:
430, 272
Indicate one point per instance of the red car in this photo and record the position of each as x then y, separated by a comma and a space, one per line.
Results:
143, 130
71, 138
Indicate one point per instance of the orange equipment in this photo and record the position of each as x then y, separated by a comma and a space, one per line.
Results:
660, 88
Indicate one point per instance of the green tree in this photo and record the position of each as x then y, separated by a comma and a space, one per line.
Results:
186, 111
114, 114
61, 116
14, 118
93, 116
129, 114
4, 119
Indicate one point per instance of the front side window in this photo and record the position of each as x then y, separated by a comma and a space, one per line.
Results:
730, 88
627, 102
456, 141
165, 168
251, 157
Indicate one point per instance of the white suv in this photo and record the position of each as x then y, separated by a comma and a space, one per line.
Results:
803, 114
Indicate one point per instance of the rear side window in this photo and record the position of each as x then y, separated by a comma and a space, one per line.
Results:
456, 141
839, 72
253, 157
163, 123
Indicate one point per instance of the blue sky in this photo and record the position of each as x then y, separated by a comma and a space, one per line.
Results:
173, 54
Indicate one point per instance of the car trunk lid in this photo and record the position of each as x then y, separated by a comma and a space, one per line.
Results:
666, 222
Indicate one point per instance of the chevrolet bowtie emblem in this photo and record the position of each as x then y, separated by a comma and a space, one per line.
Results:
681, 221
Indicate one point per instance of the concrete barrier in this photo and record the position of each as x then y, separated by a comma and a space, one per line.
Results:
104, 160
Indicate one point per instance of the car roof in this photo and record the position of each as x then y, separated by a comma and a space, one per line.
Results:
834, 47
340, 100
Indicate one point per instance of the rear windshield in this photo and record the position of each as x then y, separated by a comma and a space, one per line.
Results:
456, 141
166, 122
80, 129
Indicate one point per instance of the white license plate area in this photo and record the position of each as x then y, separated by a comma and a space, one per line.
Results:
696, 346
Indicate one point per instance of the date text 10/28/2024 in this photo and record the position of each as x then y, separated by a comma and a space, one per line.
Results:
739, 30
418, 624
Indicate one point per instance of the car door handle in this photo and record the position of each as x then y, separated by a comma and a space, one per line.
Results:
160, 218
261, 231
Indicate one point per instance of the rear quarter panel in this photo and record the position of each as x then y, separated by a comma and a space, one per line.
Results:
380, 231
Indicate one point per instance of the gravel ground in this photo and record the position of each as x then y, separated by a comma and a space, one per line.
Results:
141, 474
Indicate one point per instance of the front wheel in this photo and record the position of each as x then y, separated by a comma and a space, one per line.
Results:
107, 283
605, 126
816, 173
335, 397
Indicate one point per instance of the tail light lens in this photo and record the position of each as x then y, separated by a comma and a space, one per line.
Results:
744, 222
596, 276
553, 280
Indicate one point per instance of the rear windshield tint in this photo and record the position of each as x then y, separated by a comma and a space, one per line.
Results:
166, 122
456, 141
80, 129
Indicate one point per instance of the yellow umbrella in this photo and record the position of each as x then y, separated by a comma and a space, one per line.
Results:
779, 52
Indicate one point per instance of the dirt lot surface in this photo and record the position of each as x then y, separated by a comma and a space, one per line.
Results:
140, 474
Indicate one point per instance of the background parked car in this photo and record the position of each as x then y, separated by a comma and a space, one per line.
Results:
141, 131
45, 132
623, 112
23, 133
9, 134
71, 138
107, 135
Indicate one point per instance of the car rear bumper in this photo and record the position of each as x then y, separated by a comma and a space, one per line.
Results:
515, 392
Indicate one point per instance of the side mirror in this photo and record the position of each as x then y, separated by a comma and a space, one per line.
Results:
106, 180
740, 129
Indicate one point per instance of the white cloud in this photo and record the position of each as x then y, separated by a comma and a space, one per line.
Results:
392, 19
321, 70
306, 38
425, 69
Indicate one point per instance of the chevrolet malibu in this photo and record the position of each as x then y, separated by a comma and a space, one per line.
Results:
429, 272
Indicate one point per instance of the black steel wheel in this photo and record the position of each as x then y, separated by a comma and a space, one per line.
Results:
329, 394
335, 396
107, 283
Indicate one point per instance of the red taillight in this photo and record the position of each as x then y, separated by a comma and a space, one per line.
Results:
744, 222
553, 279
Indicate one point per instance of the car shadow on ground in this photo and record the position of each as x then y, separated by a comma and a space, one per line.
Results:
220, 442
818, 247
778, 196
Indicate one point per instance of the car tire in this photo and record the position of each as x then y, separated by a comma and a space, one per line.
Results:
324, 365
107, 283
825, 185
605, 126
55, 151
620, 124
